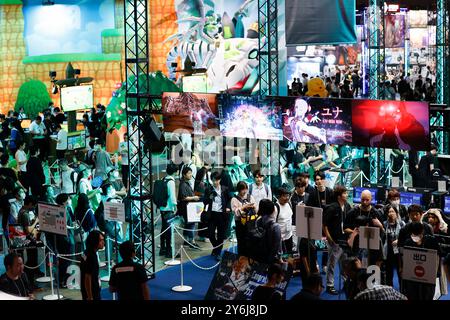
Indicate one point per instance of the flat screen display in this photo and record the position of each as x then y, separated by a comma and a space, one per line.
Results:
357, 194
77, 98
245, 117
76, 140
447, 204
391, 124
316, 120
409, 198
193, 112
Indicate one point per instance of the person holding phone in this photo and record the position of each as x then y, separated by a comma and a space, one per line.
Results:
186, 195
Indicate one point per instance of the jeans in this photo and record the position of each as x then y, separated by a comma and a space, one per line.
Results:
334, 254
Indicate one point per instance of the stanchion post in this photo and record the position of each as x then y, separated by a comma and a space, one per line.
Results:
182, 287
173, 261
57, 267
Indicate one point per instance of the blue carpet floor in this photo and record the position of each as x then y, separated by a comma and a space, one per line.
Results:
199, 280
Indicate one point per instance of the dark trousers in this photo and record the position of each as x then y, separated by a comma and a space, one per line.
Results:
60, 154
240, 237
40, 144
24, 180
203, 233
166, 238
218, 221
287, 245
391, 263
125, 173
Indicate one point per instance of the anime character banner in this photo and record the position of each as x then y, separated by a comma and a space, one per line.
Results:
246, 117
394, 31
195, 113
316, 120
237, 277
220, 38
391, 124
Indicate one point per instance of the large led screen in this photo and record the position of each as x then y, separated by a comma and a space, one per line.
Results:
391, 124
316, 120
193, 112
248, 118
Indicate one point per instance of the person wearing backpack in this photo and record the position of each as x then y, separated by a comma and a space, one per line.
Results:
263, 235
243, 207
164, 197
284, 214
259, 190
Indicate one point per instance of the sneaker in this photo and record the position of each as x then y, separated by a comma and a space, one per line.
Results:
332, 290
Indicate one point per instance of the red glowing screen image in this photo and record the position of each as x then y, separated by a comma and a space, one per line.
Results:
391, 124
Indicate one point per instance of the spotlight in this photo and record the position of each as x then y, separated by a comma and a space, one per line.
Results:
77, 72
52, 74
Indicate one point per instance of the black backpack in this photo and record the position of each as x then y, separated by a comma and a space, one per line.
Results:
161, 192
256, 241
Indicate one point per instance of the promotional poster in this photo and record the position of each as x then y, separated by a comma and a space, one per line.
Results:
395, 31
237, 278
247, 118
316, 120
391, 124
193, 112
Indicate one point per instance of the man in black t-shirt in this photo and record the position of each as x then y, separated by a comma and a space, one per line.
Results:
89, 267
322, 195
128, 278
14, 281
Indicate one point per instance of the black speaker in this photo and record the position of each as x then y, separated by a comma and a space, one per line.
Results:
151, 131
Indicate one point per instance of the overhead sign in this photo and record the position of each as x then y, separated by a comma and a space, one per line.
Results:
52, 219
114, 211
420, 265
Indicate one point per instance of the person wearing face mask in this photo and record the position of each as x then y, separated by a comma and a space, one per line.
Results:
392, 226
418, 239
16, 204
393, 199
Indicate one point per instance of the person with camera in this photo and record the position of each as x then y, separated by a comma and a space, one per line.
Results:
218, 206
334, 217
244, 209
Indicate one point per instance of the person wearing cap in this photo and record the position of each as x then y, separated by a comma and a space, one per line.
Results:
418, 239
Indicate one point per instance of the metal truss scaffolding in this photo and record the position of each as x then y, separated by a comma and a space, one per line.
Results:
376, 76
268, 47
139, 105
442, 74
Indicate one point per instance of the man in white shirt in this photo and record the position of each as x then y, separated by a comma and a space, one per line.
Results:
21, 159
38, 132
61, 142
284, 215
259, 190
68, 178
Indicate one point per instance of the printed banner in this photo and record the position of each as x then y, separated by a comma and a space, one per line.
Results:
52, 219
237, 278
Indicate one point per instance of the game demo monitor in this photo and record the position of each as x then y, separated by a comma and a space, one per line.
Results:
409, 198
357, 194
446, 208
77, 98
76, 140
